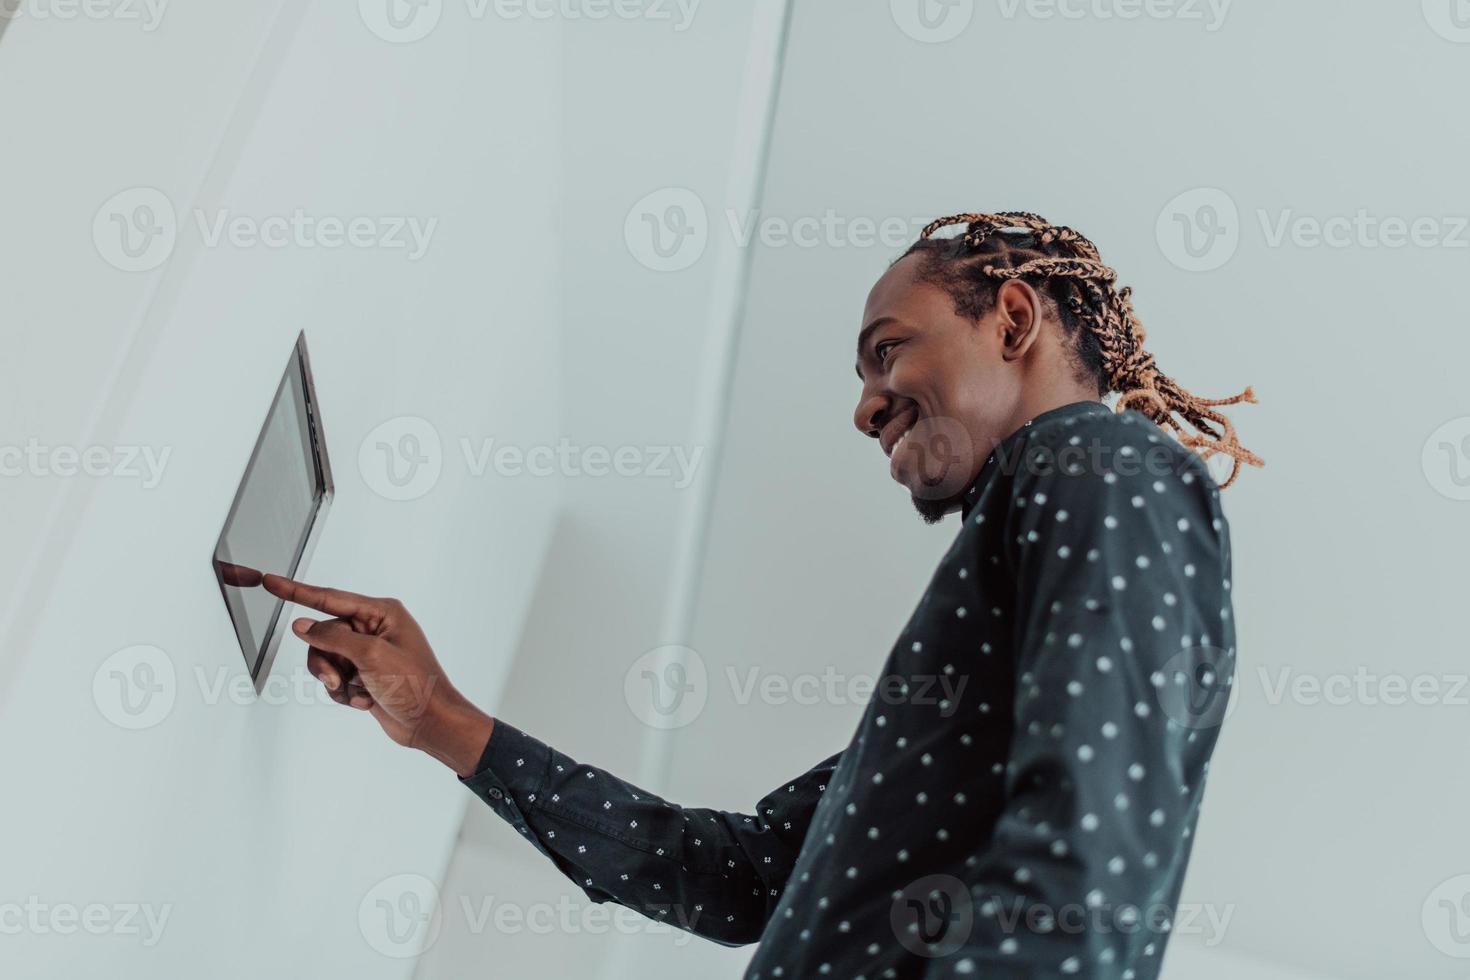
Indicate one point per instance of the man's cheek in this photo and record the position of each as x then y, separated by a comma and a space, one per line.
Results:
937, 458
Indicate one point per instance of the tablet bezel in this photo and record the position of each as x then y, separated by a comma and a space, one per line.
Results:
258, 662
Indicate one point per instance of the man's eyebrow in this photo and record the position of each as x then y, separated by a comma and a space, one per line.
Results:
863, 339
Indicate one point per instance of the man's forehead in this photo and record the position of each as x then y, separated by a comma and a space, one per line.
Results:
891, 291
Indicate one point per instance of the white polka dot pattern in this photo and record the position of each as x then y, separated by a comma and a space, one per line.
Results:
1047, 752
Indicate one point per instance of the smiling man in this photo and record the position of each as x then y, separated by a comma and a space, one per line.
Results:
1033, 818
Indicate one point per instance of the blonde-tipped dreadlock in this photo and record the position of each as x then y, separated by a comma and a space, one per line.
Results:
1082, 285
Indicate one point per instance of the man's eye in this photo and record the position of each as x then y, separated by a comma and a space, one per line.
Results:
881, 351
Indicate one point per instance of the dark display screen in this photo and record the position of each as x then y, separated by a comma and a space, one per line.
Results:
279, 501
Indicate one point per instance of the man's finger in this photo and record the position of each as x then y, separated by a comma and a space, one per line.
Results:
240, 576
329, 668
335, 636
333, 602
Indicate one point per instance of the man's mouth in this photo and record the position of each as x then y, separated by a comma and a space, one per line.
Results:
896, 431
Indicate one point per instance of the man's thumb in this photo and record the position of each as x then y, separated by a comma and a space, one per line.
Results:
334, 636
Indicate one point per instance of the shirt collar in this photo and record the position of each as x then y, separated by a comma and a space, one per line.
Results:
1009, 445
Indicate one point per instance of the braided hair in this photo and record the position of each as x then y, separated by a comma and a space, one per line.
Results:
1107, 337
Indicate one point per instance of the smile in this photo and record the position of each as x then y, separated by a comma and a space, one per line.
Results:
896, 431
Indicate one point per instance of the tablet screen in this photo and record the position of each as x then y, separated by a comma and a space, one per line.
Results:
277, 508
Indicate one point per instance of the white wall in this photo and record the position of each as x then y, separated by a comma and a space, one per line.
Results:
650, 105
1319, 825
260, 826
264, 826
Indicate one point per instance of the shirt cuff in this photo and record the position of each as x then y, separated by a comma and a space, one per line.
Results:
511, 774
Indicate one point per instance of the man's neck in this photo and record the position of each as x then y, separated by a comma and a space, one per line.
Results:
1032, 405
1028, 409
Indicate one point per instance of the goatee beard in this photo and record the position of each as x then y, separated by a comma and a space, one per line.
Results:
934, 511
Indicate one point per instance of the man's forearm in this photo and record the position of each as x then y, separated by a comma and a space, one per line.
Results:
455, 732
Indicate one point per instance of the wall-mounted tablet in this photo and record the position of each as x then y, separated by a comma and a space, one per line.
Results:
277, 514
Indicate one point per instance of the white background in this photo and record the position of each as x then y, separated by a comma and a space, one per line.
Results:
264, 826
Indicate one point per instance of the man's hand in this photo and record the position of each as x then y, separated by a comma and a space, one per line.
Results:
374, 657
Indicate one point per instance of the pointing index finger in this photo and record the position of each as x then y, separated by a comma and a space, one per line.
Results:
333, 602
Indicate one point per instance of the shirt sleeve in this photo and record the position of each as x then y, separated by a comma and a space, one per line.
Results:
1125, 655
714, 873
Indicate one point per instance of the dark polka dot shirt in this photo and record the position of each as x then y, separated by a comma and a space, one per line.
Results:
1019, 797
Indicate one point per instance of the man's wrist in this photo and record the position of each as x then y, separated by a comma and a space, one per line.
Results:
455, 732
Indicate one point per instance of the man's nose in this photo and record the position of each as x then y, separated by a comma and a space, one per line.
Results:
870, 412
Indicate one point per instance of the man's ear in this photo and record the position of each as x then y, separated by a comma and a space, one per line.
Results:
1018, 308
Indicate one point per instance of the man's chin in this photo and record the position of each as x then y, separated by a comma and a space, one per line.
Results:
931, 510
932, 500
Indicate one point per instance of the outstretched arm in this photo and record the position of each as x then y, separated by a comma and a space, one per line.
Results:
715, 873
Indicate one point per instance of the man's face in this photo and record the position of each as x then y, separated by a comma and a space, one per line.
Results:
938, 390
